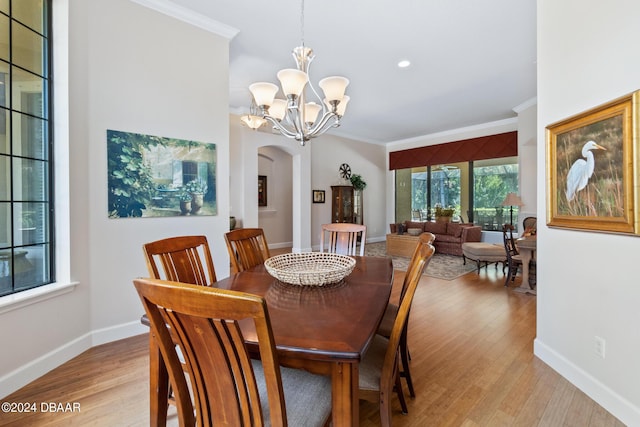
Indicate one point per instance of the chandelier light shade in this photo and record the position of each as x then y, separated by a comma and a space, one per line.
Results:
293, 116
263, 93
252, 122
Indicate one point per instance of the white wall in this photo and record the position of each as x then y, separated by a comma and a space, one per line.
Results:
527, 159
131, 69
367, 160
587, 283
245, 146
276, 218
318, 167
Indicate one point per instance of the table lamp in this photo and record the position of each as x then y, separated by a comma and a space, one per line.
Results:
512, 200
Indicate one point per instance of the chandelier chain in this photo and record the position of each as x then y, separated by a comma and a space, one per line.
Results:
293, 117
302, 23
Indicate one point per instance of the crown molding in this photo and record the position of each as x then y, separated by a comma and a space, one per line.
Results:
526, 104
189, 16
508, 125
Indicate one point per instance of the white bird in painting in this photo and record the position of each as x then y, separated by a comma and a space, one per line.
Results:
581, 170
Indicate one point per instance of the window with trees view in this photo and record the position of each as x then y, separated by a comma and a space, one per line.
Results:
25, 128
472, 191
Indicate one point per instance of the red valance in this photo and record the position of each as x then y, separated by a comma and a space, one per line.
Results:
485, 147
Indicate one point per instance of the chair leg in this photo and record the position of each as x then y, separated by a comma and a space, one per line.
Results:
405, 357
508, 276
159, 387
400, 393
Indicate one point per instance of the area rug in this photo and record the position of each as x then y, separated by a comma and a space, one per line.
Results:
447, 267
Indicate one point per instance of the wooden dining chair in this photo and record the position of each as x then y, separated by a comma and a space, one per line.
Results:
530, 224
227, 386
343, 238
247, 248
379, 369
181, 259
184, 259
514, 260
391, 312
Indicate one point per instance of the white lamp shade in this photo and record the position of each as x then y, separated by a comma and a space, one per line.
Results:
311, 110
278, 109
253, 122
292, 81
342, 106
263, 93
334, 87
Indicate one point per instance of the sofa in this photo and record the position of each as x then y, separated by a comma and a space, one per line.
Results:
449, 235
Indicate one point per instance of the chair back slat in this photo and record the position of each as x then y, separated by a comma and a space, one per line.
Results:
343, 238
509, 243
185, 259
419, 261
247, 248
205, 321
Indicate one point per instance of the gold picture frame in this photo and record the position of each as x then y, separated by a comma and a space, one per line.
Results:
592, 169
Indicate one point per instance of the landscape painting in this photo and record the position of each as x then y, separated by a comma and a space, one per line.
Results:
153, 176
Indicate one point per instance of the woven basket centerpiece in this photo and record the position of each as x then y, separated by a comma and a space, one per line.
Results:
310, 268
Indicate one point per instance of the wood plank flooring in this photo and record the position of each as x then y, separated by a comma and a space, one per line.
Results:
471, 343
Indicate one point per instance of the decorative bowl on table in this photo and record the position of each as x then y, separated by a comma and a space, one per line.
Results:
310, 268
414, 231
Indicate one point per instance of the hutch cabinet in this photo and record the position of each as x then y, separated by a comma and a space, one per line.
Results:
346, 204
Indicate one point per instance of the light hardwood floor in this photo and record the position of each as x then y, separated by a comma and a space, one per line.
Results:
471, 342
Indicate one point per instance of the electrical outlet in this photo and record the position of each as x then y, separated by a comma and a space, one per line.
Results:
600, 345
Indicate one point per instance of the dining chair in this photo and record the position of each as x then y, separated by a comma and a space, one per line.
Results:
184, 259
379, 369
391, 312
514, 260
530, 223
343, 238
222, 384
247, 248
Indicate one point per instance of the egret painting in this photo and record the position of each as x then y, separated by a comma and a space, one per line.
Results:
591, 169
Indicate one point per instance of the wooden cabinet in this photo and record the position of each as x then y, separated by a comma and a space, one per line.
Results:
346, 204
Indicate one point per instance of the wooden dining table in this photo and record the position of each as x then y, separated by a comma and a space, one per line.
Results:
325, 329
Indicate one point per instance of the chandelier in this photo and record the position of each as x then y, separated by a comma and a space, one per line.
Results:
293, 116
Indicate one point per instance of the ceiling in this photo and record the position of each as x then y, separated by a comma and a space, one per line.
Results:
472, 62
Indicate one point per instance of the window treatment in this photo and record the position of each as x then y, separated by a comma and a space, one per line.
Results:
485, 147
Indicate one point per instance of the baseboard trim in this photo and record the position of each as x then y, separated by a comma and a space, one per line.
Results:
618, 406
36, 368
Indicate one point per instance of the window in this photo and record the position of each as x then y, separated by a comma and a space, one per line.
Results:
475, 190
26, 256
493, 180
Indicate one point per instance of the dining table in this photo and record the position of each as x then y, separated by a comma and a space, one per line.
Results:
527, 248
325, 330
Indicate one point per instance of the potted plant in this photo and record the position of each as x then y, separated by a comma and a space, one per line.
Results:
185, 202
443, 214
358, 185
197, 188
357, 182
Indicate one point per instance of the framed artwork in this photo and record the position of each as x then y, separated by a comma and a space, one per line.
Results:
318, 196
592, 164
154, 176
262, 190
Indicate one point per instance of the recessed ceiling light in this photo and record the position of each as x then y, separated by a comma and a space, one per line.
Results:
404, 63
